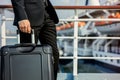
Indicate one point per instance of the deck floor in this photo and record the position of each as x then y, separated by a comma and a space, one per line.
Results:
89, 76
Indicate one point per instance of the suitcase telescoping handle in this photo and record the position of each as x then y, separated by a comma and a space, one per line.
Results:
32, 34
30, 46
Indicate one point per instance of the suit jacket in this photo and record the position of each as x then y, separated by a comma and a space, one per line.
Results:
33, 10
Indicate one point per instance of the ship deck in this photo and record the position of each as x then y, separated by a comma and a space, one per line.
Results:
75, 70
89, 76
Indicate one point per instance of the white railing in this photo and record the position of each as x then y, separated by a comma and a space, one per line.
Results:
75, 37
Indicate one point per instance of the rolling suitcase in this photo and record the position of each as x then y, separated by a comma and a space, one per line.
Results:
27, 62
0, 66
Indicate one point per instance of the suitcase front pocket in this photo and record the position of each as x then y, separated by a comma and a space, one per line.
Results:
25, 67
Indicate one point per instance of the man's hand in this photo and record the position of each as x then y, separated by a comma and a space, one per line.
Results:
24, 26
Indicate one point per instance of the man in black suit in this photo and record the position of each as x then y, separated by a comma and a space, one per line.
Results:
40, 16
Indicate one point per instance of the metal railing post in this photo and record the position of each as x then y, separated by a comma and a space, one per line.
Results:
75, 55
3, 30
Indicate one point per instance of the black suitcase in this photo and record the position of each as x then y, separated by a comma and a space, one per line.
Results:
27, 62
0, 66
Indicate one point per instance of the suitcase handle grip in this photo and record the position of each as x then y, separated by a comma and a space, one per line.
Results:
32, 35
22, 47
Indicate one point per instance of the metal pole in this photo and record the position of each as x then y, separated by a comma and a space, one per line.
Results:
75, 53
3, 30
90, 19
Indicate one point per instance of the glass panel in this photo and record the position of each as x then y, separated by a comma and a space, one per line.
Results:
98, 66
85, 47
65, 47
11, 41
66, 66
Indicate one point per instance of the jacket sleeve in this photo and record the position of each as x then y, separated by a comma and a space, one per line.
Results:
19, 9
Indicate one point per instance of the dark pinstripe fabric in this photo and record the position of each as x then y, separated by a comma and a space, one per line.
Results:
46, 35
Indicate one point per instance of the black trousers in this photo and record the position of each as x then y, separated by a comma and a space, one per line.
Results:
46, 34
